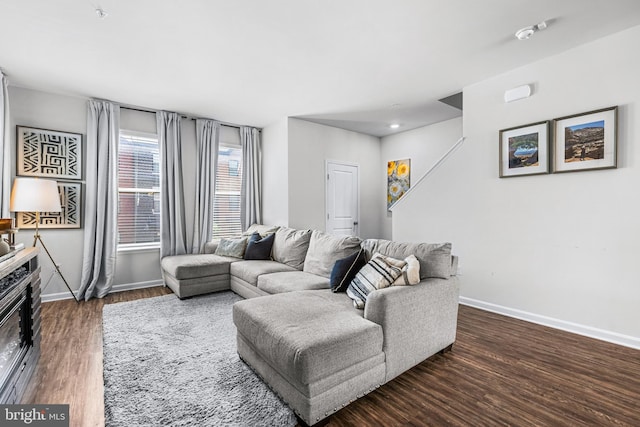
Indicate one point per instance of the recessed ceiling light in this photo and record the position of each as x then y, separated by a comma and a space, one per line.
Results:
526, 32
101, 13
394, 125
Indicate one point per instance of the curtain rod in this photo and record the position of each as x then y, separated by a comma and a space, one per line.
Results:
184, 116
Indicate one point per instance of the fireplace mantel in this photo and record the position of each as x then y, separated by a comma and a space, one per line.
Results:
19, 309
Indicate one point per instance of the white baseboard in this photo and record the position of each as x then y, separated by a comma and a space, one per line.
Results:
588, 331
116, 288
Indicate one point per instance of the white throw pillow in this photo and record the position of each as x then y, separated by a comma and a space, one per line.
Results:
410, 272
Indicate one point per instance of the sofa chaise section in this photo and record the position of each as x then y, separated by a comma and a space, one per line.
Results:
189, 275
312, 347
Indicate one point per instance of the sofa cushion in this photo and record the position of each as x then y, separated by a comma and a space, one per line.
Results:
232, 247
434, 258
259, 248
325, 249
250, 270
307, 335
345, 269
194, 266
276, 283
410, 272
290, 246
380, 272
263, 230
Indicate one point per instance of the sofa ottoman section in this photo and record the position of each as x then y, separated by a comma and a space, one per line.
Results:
317, 353
189, 275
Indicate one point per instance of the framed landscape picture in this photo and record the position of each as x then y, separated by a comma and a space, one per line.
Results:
48, 153
524, 150
586, 141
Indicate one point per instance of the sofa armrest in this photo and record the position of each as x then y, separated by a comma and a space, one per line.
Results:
210, 247
454, 265
417, 321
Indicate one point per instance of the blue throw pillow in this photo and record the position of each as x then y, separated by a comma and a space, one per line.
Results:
344, 270
259, 248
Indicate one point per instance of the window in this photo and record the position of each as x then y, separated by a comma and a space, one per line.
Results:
226, 204
138, 190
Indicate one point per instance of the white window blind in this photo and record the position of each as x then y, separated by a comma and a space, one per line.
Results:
138, 190
226, 203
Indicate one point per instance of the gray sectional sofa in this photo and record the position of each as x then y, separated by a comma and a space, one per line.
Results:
311, 345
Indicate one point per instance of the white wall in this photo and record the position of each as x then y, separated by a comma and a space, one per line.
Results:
62, 113
562, 246
310, 146
275, 173
424, 146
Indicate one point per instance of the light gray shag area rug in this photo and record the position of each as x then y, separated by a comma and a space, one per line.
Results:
174, 363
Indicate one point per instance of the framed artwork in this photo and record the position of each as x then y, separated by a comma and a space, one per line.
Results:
68, 217
398, 179
524, 150
48, 153
586, 141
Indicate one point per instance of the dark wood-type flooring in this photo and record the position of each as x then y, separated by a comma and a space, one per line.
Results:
502, 371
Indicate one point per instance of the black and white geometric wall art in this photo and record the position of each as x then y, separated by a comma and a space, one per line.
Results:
68, 217
49, 153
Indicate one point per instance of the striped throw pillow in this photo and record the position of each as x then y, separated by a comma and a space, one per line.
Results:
380, 272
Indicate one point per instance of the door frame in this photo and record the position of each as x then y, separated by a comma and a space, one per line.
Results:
326, 191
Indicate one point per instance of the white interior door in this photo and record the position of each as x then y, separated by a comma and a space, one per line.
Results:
342, 198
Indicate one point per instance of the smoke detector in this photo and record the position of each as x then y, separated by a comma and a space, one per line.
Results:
526, 32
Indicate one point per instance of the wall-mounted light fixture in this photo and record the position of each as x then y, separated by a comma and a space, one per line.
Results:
516, 93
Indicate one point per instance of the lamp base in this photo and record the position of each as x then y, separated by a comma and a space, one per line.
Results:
36, 239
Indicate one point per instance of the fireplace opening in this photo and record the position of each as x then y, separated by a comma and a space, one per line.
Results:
15, 337
19, 323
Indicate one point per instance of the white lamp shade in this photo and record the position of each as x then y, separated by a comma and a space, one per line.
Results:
35, 195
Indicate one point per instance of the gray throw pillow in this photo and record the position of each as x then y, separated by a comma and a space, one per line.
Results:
434, 258
290, 246
232, 247
325, 249
263, 230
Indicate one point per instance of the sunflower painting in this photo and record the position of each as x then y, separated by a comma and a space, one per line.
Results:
398, 180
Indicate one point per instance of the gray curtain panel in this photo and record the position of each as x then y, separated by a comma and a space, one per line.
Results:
101, 201
5, 148
173, 234
207, 142
251, 193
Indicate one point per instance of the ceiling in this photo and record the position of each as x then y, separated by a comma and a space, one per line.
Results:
356, 64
